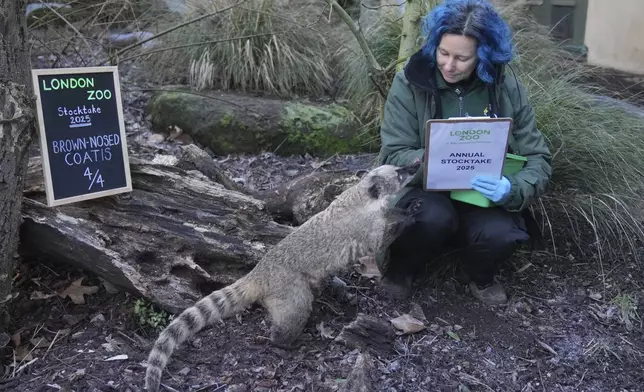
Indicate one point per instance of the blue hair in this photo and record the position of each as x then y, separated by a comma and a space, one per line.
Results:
476, 19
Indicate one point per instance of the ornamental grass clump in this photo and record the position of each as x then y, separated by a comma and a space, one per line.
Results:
353, 70
598, 148
256, 47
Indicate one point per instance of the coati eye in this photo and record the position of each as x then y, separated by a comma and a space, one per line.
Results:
373, 191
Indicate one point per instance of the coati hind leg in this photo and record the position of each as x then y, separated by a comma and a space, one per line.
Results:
289, 311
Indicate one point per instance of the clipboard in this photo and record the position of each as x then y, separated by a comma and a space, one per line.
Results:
459, 148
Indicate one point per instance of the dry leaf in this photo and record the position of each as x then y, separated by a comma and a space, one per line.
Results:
15, 339
79, 373
454, 336
40, 295
407, 324
23, 353
76, 291
417, 312
39, 342
111, 345
368, 267
325, 332
120, 357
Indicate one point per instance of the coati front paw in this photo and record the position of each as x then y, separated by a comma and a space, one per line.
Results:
414, 206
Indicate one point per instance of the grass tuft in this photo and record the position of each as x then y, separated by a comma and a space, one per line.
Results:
356, 86
280, 53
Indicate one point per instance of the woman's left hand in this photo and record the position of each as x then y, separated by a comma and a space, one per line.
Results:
492, 188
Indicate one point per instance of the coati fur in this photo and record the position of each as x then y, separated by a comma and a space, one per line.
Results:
358, 222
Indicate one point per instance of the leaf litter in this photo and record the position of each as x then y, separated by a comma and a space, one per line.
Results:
76, 291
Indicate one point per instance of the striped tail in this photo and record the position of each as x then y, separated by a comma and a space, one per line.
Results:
216, 306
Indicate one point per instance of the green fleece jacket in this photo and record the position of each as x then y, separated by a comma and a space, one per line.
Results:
411, 102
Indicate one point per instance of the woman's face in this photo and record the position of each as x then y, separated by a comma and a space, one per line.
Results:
456, 57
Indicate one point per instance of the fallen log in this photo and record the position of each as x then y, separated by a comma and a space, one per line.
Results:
305, 196
233, 123
175, 237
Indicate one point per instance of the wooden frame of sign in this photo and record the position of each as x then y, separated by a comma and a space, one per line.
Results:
458, 178
81, 159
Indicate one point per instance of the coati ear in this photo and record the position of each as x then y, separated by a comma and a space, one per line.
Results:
360, 173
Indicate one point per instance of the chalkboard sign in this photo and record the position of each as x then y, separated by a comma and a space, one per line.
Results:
82, 133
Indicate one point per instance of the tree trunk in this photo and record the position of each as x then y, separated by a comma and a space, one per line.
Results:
16, 131
411, 29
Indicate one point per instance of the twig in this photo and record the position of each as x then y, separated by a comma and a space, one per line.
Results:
169, 388
69, 42
9, 384
582, 379
395, 63
371, 59
543, 386
67, 23
547, 347
173, 28
51, 344
211, 385
8, 380
216, 41
329, 306
24, 366
377, 7
474, 380
375, 82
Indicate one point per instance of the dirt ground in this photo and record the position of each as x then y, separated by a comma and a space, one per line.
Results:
563, 330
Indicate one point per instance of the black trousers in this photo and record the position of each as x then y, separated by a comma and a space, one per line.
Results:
486, 236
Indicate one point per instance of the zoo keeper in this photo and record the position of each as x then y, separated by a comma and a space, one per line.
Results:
461, 71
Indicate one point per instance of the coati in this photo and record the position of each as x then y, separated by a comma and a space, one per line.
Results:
358, 222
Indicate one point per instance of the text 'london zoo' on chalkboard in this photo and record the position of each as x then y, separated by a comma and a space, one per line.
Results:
82, 133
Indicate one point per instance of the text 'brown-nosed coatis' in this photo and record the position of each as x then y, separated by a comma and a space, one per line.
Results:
357, 223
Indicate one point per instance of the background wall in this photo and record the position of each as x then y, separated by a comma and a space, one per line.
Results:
614, 34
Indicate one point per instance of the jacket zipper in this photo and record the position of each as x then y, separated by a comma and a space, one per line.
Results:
459, 94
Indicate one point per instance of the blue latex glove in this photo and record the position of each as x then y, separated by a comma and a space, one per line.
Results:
492, 188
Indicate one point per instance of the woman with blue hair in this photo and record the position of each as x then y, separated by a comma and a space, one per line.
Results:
460, 72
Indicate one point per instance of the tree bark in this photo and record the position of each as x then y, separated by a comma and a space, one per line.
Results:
368, 333
16, 131
411, 29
